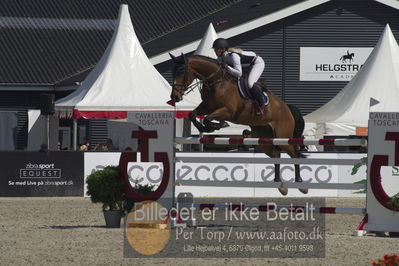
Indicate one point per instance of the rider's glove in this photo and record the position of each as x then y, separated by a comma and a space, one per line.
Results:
221, 63
224, 65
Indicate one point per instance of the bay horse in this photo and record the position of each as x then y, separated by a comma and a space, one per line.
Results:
222, 102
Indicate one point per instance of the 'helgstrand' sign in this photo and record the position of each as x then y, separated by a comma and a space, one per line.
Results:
331, 63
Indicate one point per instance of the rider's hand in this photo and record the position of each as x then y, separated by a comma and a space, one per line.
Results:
221, 63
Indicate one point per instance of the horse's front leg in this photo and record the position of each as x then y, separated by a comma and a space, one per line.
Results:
277, 175
200, 110
220, 114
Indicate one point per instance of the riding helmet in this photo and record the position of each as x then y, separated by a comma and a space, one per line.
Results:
220, 43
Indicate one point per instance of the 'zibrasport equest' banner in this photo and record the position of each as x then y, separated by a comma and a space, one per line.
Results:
41, 174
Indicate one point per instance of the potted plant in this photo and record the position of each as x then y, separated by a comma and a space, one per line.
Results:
105, 186
395, 202
388, 260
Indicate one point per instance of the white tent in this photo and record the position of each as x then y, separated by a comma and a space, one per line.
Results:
377, 79
205, 46
123, 80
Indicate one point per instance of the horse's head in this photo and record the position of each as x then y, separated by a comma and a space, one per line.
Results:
182, 77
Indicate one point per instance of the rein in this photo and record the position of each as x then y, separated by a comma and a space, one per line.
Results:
189, 88
206, 79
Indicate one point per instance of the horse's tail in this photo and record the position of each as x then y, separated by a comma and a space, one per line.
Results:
299, 121
299, 124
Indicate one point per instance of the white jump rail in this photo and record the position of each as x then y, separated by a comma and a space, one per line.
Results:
244, 160
269, 184
270, 141
265, 208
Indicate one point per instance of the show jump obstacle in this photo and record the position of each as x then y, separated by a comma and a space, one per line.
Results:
157, 140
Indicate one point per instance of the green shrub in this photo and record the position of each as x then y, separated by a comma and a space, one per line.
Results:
128, 203
105, 186
394, 201
144, 189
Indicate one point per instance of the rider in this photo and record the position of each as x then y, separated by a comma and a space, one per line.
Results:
235, 61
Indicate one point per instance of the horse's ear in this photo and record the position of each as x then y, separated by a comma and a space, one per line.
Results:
173, 57
183, 56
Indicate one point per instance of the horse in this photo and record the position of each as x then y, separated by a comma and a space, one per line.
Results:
222, 102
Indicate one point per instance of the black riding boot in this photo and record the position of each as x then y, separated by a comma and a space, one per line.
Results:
260, 98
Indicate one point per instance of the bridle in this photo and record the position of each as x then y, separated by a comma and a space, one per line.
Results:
185, 88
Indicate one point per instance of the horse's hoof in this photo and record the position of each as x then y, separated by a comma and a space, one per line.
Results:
201, 128
298, 179
283, 190
224, 124
209, 130
303, 190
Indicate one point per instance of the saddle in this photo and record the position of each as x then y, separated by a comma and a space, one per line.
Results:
246, 93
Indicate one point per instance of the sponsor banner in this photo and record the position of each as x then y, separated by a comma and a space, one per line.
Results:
331, 63
309, 173
151, 172
255, 172
41, 174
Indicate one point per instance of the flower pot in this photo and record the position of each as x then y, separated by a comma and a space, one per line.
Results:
113, 218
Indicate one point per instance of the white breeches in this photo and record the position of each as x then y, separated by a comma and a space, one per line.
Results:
255, 72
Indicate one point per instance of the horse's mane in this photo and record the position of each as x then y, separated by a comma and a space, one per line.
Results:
205, 58
226, 74
180, 62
